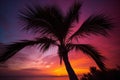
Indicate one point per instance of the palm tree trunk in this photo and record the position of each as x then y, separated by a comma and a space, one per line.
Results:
71, 73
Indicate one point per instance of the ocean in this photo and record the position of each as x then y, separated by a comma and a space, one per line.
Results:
34, 78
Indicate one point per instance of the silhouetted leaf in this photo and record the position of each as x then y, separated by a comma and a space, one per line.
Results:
13, 48
95, 24
90, 51
72, 15
44, 20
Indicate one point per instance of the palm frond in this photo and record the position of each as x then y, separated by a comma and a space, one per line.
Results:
72, 15
45, 43
96, 25
45, 20
13, 48
90, 51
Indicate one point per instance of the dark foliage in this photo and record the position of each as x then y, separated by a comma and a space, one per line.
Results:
110, 74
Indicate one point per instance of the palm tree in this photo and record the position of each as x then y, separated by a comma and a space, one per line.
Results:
54, 28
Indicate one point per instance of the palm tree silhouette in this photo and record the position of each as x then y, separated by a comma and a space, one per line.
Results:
54, 28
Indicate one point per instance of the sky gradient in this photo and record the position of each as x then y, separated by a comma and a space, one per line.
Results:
31, 61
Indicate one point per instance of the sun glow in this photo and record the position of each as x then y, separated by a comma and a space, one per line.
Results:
60, 72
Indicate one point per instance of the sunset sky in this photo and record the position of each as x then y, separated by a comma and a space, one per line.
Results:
30, 61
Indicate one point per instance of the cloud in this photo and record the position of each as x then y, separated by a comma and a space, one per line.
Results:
30, 69
19, 73
3, 66
2, 48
